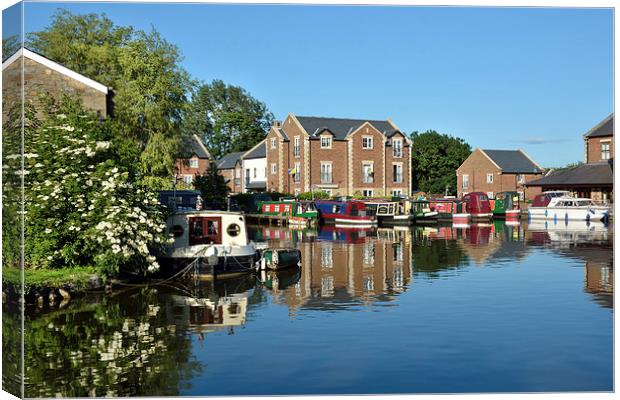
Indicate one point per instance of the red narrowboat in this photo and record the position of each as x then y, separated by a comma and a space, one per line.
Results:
351, 212
478, 206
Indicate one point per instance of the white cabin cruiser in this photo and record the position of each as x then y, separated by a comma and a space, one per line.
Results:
215, 243
566, 208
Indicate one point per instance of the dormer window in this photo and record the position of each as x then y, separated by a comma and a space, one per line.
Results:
193, 163
326, 142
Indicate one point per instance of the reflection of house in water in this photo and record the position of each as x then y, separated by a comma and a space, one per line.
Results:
205, 315
350, 266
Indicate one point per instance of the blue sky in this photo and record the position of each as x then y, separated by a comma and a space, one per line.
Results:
529, 78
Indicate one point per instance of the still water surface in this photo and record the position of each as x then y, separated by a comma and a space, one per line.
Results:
486, 308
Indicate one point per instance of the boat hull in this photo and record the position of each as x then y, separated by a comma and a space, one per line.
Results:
397, 220
210, 261
568, 214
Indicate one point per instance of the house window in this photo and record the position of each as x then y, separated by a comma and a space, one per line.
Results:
367, 192
605, 151
327, 255
520, 178
368, 253
397, 192
273, 143
465, 181
489, 178
297, 192
254, 175
326, 142
490, 195
296, 147
247, 176
326, 172
368, 175
193, 163
297, 176
273, 168
237, 173
397, 170
397, 148
367, 142
188, 179
328, 191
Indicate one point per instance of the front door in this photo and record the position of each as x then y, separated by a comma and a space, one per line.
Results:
205, 230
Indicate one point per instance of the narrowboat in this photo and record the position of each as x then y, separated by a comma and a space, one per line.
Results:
477, 205
422, 212
208, 244
298, 212
351, 212
389, 213
446, 208
566, 209
506, 205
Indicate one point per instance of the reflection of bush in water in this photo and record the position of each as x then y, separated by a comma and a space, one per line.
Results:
11, 349
121, 346
433, 256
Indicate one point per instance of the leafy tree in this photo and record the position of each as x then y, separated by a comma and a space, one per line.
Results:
83, 208
9, 46
435, 158
144, 71
211, 184
227, 117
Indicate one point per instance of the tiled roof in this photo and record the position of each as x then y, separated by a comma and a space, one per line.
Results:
259, 151
229, 160
193, 145
603, 128
513, 161
593, 174
341, 127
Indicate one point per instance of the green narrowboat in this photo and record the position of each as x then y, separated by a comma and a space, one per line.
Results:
422, 212
506, 205
298, 212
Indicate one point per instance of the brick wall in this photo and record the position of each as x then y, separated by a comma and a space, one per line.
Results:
594, 146
39, 79
359, 155
337, 156
293, 130
404, 160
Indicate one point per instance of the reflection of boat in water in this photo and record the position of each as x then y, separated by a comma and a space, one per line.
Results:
545, 231
206, 315
345, 234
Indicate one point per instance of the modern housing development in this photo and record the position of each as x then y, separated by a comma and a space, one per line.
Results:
338, 156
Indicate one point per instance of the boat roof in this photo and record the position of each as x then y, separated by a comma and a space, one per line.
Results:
207, 212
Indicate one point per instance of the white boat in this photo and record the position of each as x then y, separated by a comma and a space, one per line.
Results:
566, 208
211, 243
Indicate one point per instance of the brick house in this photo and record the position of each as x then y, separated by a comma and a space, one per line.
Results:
494, 171
339, 156
231, 168
195, 159
595, 178
42, 75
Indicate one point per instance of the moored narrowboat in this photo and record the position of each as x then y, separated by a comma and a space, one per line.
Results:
298, 212
477, 205
351, 212
389, 213
422, 212
506, 205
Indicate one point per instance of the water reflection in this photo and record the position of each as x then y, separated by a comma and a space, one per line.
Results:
153, 341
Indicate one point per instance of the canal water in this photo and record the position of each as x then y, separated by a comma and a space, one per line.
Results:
481, 308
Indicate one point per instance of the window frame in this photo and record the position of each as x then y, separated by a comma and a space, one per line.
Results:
465, 181
395, 167
490, 175
273, 168
399, 148
328, 138
274, 144
193, 163
296, 146
367, 142
325, 173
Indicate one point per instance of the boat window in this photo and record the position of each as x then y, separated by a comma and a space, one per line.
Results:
197, 228
233, 230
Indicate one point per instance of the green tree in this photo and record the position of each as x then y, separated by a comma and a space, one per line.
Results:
227, 117
9, 46
211, 184
82, 207
143, 69
435, 158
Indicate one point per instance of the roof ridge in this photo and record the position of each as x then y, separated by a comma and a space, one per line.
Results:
603, 122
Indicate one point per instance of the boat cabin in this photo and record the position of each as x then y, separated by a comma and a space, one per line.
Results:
477, 203
191, 228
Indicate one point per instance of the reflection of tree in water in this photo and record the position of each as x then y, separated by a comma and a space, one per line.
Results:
11, 349
433, 256
121, 346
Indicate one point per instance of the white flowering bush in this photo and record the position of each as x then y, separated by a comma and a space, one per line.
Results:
82, 207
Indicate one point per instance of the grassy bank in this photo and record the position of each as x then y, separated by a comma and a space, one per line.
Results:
77, 278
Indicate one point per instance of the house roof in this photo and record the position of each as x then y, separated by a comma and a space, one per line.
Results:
603, 128
342, 127
258, 151
229, 160
192, 145
54, 66
513, 161
593, 174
